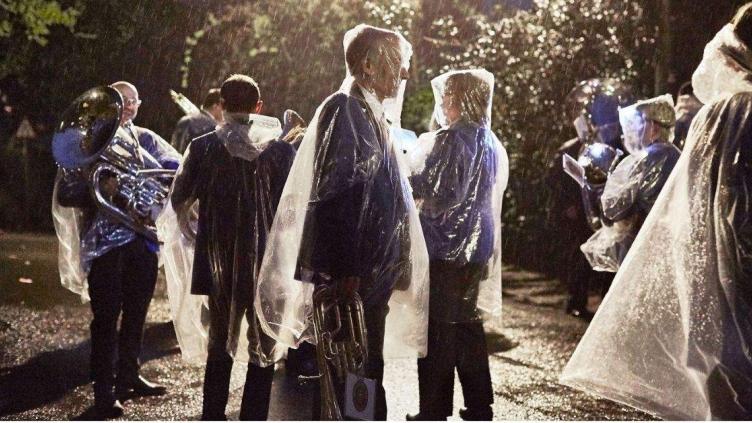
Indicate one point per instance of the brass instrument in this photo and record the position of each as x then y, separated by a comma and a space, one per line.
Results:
186, 105
89, 137
597, 160
340, 332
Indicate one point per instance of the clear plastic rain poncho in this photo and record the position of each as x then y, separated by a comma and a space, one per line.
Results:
347, 210
69, 223
634, 185
459, 191
235, 175
673, 334
725, 68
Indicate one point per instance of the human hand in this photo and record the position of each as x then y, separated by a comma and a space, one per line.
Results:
348, 287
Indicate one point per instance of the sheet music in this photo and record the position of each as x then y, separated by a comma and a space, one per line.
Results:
573, 169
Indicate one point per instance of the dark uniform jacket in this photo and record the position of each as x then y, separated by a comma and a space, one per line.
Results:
237, 201
357, 221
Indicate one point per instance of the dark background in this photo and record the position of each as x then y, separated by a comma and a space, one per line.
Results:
51, 51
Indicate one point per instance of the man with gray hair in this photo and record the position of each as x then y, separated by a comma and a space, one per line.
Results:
349, 205
633, 186
341, 241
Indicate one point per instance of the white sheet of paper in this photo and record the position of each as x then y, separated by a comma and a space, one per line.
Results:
573, 169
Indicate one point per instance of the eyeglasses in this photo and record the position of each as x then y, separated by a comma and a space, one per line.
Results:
131, 101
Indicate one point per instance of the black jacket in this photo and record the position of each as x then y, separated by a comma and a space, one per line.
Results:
357, 221
237, 202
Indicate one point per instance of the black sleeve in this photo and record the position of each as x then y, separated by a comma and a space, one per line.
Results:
332, 232
273, 168
187, 185
180, 135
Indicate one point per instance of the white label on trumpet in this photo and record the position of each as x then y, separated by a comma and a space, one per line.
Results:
360, 397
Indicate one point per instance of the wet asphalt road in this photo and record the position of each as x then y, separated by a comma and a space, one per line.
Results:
44, 350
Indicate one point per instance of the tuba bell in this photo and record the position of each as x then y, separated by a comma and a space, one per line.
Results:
89, 139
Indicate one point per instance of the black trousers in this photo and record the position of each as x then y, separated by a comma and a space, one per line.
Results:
258, 381
461, 346
577, 274
455, 340
120, 282
375, 319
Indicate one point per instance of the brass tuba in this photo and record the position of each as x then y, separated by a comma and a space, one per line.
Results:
340, 333
89, 138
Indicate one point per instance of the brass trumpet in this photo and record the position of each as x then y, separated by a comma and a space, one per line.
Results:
340, 333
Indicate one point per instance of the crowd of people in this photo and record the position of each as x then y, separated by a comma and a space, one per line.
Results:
266, 222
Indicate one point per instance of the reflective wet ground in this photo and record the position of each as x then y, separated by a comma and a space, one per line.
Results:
44, 350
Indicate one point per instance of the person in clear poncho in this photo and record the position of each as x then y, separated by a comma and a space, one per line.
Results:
459, 192
236, 173
347, 216
593, 106
109, 263
194, 125
673, 335
634, 185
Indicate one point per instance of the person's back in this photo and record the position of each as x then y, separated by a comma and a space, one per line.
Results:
457, 188
237, 201
236, 173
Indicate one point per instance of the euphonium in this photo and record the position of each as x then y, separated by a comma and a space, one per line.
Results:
340, 332
89, 137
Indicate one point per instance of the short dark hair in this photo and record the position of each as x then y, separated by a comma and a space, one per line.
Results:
364, 44
212, 98
240, 94
742, 22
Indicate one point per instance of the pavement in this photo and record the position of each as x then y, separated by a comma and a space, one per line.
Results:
44, 350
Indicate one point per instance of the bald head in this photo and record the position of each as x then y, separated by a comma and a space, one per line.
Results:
131, 101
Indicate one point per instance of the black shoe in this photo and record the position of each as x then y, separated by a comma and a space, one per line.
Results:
140, 387
484, 414
104, 410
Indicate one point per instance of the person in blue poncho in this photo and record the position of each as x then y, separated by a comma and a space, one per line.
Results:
459, 194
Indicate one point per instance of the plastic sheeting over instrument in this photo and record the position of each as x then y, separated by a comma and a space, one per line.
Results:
85, 233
